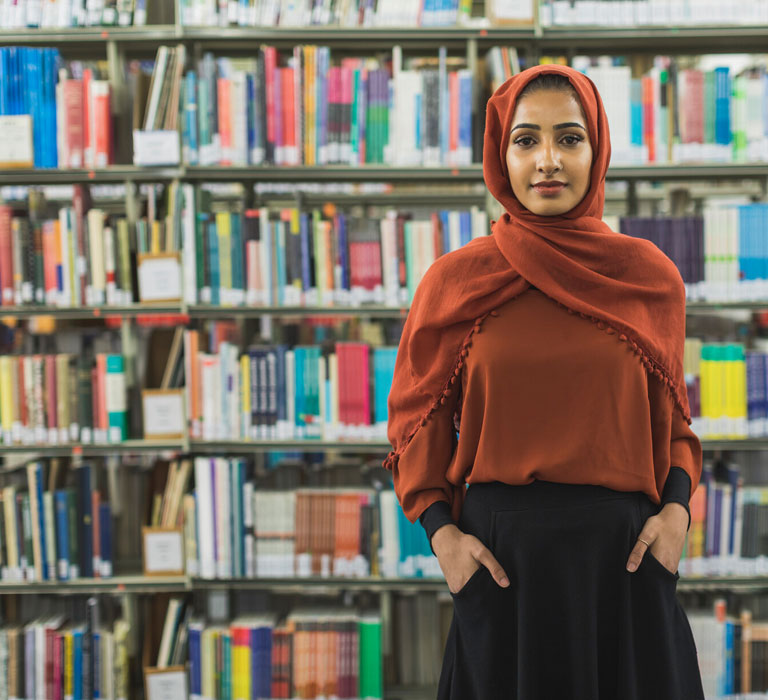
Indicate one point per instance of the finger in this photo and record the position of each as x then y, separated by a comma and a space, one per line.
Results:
487, 559
638, 551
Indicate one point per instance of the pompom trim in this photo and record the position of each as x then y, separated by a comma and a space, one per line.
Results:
651, 364
448, 388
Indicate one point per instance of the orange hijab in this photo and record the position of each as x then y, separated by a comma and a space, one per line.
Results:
613, 280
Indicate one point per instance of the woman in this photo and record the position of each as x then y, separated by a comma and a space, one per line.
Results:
555, 348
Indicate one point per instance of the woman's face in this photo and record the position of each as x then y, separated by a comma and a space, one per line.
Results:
549, 157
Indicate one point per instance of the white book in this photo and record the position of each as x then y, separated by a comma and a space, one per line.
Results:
95, 221
222, 469
188, 251
204, 514
249, 563
161, 62
109, 266
390, 544
50, 534
265, 258
390, 261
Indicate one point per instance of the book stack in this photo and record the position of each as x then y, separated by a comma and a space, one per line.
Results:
55, 534
312, 653
63, 398
56, 14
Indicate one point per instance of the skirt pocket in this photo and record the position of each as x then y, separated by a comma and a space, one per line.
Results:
470, 582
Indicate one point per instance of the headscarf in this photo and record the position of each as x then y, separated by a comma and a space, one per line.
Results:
614, 280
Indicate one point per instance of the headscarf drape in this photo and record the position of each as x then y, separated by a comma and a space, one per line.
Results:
615, 281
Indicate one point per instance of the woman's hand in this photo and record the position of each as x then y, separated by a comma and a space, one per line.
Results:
461, 555
665, 533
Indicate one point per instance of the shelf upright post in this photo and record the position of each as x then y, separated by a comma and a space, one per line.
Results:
631, 197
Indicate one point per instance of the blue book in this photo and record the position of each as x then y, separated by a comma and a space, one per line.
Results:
85, 515
418, 107
250, 121
305, 235
282, 408
105, 538
722, 106
77, 663
194, 635
237, 252
465, 227
261, 654
62, 534
636, 111
278, 228
96, 664
383, 372
343, 251
38, 496
718, 519
213, 257
190, 118
465, 113
444, 104
446, 229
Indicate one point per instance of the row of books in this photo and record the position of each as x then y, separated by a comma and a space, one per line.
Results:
62, 398
341, 13
732, 651
288, 393
255, 257
729, 522
308, 109
50, 534
233, 529
727, 389
56, 14
634, 13
311, 653
55, 657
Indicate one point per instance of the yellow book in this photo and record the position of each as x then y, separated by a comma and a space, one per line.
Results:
224, 232
154, 245
241, 664
292, 215
6, 395
69, 666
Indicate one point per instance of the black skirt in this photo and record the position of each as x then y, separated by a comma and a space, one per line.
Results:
573, 624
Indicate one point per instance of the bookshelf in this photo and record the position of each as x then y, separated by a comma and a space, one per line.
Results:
117, 42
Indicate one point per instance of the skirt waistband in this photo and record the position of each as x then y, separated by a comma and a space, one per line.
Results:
498, 495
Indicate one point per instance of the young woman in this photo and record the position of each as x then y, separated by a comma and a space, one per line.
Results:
555, 348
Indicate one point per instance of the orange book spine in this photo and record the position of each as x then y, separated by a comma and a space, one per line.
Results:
289, 116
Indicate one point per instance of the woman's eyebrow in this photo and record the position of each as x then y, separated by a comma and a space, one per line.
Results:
564, 125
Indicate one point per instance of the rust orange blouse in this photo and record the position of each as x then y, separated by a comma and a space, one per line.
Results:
546, 394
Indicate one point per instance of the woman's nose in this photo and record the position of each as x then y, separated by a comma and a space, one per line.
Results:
549, 160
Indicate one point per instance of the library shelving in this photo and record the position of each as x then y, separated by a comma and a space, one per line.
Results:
115, 43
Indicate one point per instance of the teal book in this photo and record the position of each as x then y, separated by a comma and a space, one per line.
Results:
117, 413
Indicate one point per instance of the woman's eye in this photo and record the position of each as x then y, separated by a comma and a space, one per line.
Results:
572, 139
522, 139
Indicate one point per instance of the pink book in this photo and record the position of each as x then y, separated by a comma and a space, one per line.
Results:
225, 120
58, 675
453, 102
289, 116
6, 256
102, 131
87, 129
74, 119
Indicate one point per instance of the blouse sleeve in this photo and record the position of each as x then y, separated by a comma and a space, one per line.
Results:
685, 464
419, 474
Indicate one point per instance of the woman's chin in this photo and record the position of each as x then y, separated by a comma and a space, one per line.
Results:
549, 208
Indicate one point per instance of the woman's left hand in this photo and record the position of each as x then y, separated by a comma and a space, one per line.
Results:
665, 533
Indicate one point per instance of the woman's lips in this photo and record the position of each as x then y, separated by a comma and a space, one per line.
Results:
549, 190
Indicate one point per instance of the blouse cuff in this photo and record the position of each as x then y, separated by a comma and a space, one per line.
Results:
677, 489
434, 517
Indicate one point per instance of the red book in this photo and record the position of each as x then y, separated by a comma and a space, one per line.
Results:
649, 126
88, 144
50, 392
102, 131
270, 63
6, 256
58, 671
49, 656
74, 120
49, 262
290, 149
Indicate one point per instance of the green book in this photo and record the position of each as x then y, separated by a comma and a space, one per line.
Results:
72, 529
709, 107
369, 628
117, 413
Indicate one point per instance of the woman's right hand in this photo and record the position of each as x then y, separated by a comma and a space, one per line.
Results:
460, 555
